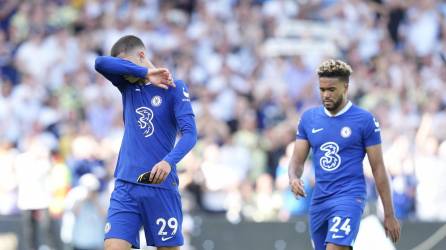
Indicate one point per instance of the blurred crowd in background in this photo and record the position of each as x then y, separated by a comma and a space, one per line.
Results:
250, 66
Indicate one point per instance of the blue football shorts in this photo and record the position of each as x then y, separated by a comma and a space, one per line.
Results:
158, 210
337, 224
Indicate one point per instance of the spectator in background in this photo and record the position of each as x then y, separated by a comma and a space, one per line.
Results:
60, 183
8, 179
88, 208
32, 168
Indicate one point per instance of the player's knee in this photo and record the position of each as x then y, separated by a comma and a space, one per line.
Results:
116, 244
168, 248
331, 246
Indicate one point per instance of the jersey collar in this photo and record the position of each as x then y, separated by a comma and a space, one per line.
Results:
342, 111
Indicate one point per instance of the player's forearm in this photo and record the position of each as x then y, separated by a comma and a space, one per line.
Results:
383, 186
295, 169
186, 142
108, 65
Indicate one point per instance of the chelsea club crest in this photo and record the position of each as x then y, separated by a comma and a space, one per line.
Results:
156, 101
346, 132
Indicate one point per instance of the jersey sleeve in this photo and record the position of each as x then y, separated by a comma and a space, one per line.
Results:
186, 123
182, 104
372, 132
301, 133
114, 69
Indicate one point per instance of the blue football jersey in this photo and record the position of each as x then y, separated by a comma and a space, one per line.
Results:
338, 145
152, 118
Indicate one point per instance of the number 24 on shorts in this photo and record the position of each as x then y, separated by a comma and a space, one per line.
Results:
344, 227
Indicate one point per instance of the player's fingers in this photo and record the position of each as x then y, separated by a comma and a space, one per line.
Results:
153, 173
158, 71
300, 188
158, 175
170, 82
298, 191
390, 235
163, 176
163, 86
394, 236
397, 234
155, 177
167, 82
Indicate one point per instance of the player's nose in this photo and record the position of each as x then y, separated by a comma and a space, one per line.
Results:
326, 95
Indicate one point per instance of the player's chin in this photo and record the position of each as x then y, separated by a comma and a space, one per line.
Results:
329, 106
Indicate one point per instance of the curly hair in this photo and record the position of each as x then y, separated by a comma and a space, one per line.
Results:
335, 68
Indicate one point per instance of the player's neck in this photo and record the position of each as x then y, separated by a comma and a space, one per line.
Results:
340, 108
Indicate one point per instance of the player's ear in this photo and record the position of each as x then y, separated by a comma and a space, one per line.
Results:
141, 54
346, 86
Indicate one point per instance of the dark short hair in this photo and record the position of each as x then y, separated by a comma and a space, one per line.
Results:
125, 44
335, 68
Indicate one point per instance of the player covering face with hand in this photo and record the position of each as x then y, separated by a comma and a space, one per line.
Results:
155, 110
339, 134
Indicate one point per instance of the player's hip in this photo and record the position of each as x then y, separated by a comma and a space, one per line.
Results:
158, 210
356, 201
350, 210
131, 173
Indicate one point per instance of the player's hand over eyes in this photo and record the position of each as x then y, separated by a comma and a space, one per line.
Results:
160, 77
297, 187
160, 172
392, 227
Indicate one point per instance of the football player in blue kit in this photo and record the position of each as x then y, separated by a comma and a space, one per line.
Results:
146, 187
339, 134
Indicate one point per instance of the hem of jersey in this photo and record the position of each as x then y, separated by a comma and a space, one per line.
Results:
321, 206
174, 189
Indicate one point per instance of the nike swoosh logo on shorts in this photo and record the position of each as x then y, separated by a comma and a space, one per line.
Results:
337, 236
166, 238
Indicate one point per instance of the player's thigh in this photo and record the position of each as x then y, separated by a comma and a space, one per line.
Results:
168, 248
343, 226
123, 219
116, 244
162, 217
331, 246
318, 229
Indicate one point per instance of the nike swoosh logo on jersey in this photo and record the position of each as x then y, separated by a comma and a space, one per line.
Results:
185, 93
337, 236
166, 238
314, 131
